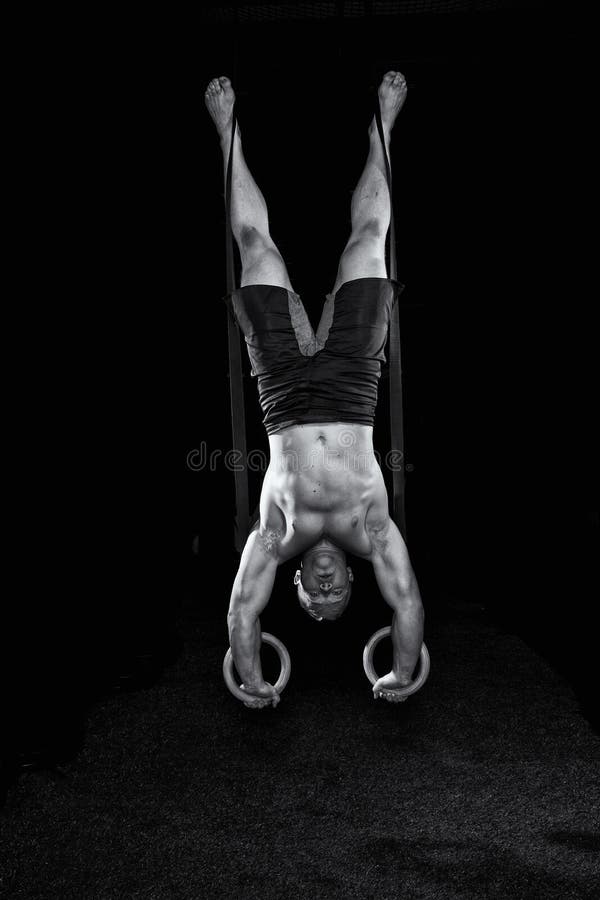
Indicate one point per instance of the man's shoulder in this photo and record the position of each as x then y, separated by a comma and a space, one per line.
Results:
269, 530
377, 518
378, 526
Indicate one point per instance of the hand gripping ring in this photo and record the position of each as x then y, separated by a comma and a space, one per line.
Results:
284, 675
422, 670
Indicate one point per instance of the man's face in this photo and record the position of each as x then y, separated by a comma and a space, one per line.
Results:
324, 584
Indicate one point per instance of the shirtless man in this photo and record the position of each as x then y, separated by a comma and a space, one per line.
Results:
323, 493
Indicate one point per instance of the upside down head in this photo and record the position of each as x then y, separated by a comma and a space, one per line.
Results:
324, 582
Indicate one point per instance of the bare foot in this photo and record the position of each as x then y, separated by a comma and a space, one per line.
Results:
392, 94
219, 98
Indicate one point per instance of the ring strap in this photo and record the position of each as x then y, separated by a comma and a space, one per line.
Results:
395, 364
236, 378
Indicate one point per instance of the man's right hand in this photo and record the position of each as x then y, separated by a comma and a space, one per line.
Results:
260, 696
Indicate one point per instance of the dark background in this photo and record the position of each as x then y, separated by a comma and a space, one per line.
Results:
502, 499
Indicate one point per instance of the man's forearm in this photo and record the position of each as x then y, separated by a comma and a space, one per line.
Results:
245, 641
407, 638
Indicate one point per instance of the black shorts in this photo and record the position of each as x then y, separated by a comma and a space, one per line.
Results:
330, 376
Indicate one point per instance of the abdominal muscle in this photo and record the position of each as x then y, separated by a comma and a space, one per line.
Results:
322, 481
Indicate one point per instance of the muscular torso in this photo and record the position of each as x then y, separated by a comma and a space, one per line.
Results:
322, 481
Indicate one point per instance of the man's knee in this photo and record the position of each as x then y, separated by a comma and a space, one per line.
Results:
257, 248
369, 229
366, 244
261, 260
252, 240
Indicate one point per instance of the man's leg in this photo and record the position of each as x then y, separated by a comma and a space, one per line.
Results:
364, 254
261, 264
261, 261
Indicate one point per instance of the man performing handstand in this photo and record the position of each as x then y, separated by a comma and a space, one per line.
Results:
323, 493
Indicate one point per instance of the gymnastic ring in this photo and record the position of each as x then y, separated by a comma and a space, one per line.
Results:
284, 675
424, 665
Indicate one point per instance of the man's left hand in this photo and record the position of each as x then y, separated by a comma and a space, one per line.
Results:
260, 696
387, 686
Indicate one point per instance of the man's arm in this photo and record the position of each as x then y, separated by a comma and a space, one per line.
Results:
398, 585
251, 592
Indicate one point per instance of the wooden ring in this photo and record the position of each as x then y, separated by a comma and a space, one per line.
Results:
423, 665
284, 675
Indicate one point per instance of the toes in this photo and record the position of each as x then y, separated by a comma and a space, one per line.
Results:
224, 81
